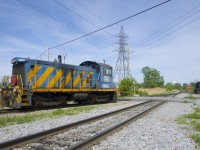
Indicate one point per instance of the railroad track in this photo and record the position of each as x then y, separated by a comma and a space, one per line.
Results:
84, 133
26, 110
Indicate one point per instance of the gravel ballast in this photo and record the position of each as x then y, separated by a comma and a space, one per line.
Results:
157, 130
81, 133
19, 130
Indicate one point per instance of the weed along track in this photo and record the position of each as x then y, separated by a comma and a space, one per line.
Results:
84, 133
27, 110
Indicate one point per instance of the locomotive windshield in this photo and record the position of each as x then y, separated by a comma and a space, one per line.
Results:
107, 71
17, 60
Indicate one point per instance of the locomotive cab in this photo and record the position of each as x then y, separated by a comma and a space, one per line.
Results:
104, 73
105, 88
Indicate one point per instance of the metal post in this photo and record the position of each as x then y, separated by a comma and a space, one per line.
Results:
48, 53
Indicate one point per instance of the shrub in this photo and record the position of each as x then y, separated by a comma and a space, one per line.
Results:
142, 93
127, 86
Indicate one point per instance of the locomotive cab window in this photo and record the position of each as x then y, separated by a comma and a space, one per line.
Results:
107, 71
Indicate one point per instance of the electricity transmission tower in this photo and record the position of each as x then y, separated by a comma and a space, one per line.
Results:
122, 68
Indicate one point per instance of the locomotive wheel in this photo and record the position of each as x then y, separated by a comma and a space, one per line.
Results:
35, 99
113, 98
80, 102
108, 98
91, 100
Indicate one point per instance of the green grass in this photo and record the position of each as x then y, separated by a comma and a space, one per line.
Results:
192, 97
197, 110
73, 111
11, 120
194, 115
181, 120
185, 101
196, 138
195, 125
163, 94
194, 120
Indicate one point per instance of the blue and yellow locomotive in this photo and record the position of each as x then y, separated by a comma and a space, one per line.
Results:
38, 83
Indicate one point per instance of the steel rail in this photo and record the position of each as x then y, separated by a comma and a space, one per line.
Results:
43, 134
8, 111
104, 134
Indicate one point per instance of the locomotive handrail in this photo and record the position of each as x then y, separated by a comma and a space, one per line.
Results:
59, 82
22, 85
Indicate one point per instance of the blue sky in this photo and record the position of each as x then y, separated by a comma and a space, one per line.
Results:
27, 28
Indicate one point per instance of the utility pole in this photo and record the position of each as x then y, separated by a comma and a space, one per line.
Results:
122, 67
48, 53
64, 56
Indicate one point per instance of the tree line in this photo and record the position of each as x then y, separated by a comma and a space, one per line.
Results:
152, 79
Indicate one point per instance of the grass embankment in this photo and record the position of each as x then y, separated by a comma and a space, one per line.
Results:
12, 119
157, 91
152, 92
192, 119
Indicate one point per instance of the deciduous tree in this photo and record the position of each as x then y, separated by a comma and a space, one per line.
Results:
169, 86
152, 78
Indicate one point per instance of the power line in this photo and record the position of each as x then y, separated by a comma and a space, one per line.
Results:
65, 7
154, 35
105, 26
39, 9
182, 34
91, 12
182, 16
167, 27
170, 33
59, 3
110, 25
160, 31
16, 12
58, 18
